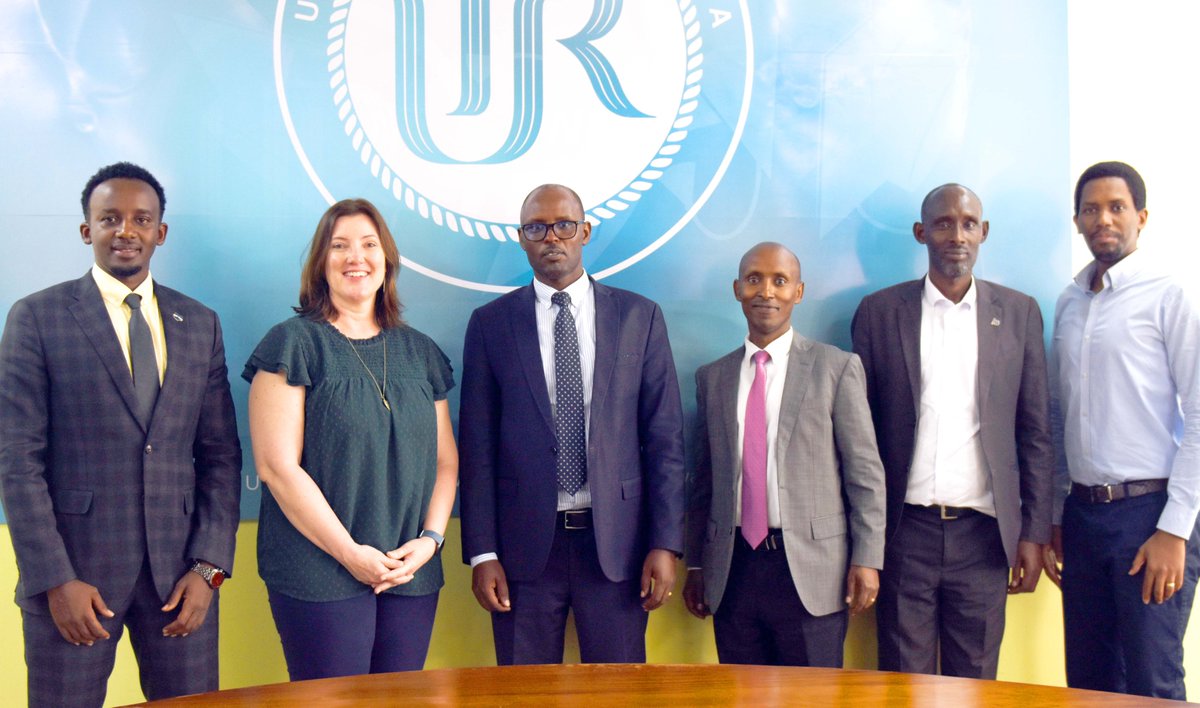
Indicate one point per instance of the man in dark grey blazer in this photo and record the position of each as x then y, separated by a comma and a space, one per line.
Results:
119, 462
956, 375
786, 512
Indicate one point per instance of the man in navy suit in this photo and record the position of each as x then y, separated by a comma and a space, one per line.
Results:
571, 444
119, 462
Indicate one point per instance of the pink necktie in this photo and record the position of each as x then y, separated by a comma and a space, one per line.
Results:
754, 456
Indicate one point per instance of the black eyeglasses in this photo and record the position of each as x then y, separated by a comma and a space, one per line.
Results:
562, 230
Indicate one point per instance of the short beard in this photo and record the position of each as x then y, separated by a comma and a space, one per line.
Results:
1110, 256
954, 270
122, 272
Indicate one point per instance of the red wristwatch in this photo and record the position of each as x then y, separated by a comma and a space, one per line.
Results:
212, 575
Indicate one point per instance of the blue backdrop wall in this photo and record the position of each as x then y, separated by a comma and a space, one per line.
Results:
691, 128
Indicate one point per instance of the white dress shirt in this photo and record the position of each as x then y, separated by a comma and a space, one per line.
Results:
948, 466
583, 309
776, 367
1127, 364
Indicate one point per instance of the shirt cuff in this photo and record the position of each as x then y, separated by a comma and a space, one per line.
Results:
1177, 519
476, 560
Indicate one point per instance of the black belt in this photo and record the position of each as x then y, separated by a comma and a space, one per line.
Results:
943, 512
574, 520
773, 541
1105, 493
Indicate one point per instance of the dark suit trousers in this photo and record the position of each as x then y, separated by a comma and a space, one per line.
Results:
1114, 642
609, 618
943, 590
761, 620
62, 674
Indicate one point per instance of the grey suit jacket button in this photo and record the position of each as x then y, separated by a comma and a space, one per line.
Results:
149, 449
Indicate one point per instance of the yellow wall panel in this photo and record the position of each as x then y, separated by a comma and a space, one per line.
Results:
250, 653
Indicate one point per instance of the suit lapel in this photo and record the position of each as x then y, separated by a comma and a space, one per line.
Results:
523, 320
729, 377
908, 319
92, 317
799, 373
608, 317
182, 351
990, 332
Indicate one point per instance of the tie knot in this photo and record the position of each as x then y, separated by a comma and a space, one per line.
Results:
761, 357
134, 301
561, 299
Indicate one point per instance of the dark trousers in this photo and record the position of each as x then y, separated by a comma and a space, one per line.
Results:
1114, 642
942, 595
609, 618
761, 620
62, 674
366, 634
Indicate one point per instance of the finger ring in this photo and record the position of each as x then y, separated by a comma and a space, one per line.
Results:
1171, 585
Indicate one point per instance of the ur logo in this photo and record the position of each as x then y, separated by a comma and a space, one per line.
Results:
445, 113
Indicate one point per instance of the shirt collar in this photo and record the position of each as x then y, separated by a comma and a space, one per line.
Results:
114, 291
1119, 274
578, 290
932, 296
778, 349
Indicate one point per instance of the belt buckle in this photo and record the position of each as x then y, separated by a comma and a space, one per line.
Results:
1108, 495
568, 515
945, 517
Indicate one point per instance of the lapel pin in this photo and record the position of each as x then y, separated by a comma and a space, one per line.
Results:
176, 316
995, 321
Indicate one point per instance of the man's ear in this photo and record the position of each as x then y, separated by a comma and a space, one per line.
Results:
919, 232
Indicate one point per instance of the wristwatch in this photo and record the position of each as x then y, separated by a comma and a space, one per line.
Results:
212, 575
437, 538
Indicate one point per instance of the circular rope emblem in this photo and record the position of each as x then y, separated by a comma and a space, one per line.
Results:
447, 114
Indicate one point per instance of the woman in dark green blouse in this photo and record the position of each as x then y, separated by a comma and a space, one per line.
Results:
352, 441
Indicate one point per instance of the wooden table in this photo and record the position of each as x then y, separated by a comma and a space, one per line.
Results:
665, 685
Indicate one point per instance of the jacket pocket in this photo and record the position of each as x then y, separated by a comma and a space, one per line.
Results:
73, 501
829, 526
711, 533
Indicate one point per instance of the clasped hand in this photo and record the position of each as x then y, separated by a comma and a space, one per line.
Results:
383, 571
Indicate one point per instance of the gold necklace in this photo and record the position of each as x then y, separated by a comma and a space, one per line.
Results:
382, 394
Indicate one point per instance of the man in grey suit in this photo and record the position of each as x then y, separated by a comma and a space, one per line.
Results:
786, 513
119, 462
956, 376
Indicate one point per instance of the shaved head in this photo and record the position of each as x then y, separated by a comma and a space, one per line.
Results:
763, 247
538, 191
936, 193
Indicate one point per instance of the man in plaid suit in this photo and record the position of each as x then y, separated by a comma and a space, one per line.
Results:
120, 465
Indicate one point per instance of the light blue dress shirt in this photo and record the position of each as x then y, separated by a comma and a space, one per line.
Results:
1126, 375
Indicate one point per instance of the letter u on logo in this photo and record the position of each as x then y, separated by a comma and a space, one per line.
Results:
528, 87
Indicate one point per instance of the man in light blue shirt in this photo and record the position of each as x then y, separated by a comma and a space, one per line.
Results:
1127, 363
